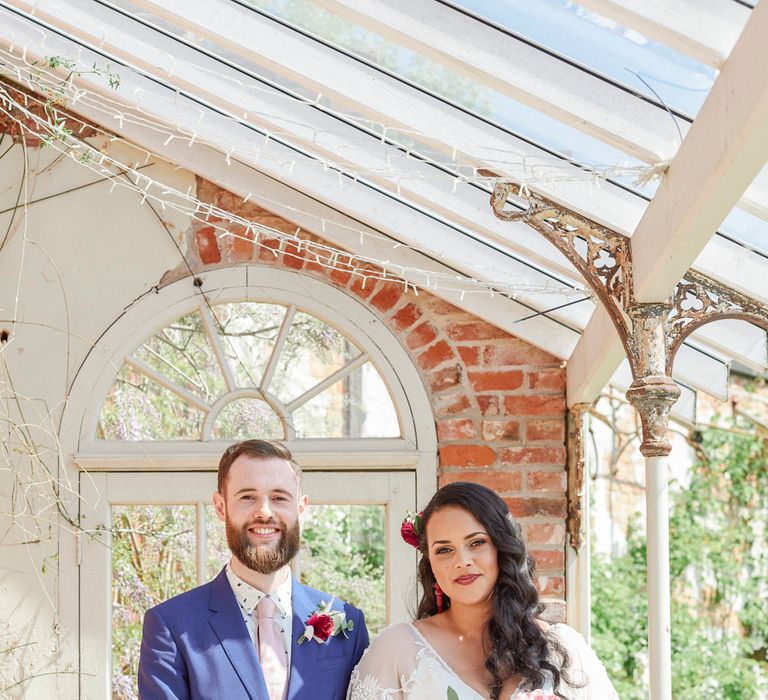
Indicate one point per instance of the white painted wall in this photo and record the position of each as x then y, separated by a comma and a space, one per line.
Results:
68, 269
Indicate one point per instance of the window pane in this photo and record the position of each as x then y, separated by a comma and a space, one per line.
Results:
183, 353
313, 351
357, 406
247, 418
153, 558
248, 332
217, 552
343, 552
138, 409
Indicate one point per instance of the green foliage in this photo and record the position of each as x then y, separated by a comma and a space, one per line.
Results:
343, 552
719, 571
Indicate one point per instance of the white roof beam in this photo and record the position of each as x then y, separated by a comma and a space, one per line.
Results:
518, 70
398, 105
317, 132
434, 239
725, 148
704, 29
393, 103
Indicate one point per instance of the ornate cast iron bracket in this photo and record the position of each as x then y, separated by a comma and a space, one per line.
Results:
601, 256
698, 300
651, 333
577, 468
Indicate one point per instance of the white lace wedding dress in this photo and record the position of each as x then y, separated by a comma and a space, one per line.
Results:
401, 664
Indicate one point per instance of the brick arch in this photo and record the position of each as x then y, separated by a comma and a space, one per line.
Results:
498, 402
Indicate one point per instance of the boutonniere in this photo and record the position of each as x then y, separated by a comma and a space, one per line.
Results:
537, 695
324, 623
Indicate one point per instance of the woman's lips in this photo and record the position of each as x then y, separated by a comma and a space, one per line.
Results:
467, 579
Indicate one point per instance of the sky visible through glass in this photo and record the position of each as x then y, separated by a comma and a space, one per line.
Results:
580, 35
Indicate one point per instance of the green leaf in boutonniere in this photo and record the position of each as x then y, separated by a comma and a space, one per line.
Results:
452, 694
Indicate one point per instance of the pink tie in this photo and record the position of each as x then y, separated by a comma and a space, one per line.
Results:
272, 654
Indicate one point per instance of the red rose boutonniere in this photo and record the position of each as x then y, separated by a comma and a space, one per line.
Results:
324, 623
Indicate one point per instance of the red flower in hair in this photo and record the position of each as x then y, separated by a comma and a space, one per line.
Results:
409, 530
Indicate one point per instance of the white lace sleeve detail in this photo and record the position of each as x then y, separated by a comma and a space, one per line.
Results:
586, 672
387, 670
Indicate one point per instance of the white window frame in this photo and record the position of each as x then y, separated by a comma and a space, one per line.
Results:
415, 451
394, 490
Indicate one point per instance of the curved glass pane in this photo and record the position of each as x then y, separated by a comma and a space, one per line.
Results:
248, 331
137, 408
187, 355
358, 406
182, 353
247, 418
313, 351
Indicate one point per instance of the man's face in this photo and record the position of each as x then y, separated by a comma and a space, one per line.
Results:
261, 507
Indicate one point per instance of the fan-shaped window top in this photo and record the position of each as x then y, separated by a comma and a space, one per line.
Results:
248, 369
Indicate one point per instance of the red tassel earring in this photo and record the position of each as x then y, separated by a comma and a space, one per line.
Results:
439, 596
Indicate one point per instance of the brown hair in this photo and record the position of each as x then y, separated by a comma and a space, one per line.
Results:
258, 449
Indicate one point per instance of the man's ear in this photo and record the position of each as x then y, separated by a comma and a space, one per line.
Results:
220, 505
303, 502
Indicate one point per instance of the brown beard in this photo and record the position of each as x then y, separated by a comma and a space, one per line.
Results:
262, 559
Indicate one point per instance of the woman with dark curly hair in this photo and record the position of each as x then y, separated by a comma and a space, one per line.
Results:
478, 632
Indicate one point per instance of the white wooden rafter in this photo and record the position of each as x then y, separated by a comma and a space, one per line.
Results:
707, 30
493, 312
304, 61
394, 220
725, 148
518, 70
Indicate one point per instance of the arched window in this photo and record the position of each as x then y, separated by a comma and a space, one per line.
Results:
241, 369
182, 374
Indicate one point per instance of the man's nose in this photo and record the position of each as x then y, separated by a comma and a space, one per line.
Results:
263, 508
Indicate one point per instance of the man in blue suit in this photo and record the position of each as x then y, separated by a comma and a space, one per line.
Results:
254, 632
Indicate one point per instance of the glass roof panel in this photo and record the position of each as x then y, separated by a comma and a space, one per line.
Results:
605, 46
568, 143
746, 228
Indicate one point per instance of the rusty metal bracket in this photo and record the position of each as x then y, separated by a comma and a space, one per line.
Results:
650, 332
576, 467
601, 255
698, 300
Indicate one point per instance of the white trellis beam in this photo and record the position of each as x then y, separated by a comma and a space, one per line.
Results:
518, 70
724, 150
704, 29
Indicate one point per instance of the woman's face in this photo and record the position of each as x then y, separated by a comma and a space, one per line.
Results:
463, 556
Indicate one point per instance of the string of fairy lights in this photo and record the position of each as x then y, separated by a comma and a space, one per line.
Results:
164, 196
246, 102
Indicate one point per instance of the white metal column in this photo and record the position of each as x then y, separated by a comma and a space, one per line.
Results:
657, 519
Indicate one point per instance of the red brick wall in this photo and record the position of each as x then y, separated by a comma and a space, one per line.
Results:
498, 402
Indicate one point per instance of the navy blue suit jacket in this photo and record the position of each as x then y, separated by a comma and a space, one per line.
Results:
197, 646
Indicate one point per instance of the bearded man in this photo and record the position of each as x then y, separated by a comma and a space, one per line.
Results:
254, 631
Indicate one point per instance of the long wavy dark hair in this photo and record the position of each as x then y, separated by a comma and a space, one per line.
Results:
517, 642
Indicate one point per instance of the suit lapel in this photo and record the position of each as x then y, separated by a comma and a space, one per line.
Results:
227, 622
303, 657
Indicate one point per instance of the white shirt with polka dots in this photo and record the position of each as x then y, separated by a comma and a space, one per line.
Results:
248, 598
